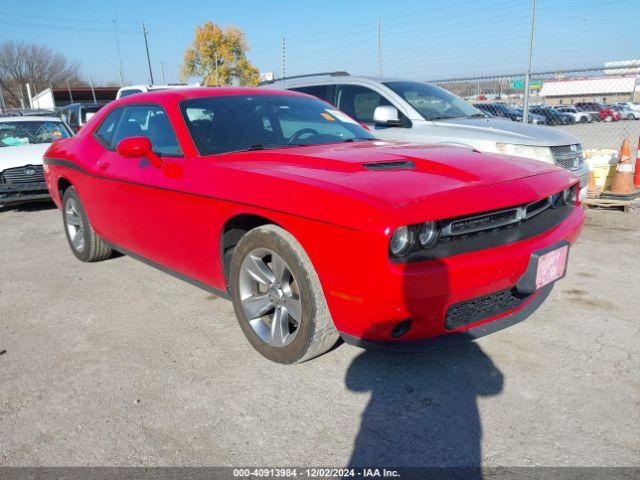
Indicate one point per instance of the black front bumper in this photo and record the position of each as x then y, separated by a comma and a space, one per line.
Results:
23, 192
414, 346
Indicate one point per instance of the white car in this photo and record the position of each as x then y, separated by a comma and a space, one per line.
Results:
23, 141
625, 112
133, 89
419, 112
635, 107
578, 115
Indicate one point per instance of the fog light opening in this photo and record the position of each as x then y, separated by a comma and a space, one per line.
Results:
401, 328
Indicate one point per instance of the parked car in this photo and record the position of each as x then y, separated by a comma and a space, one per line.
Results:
605, 114
499, 110
628, 105
78, 114
133, 89
309, 224
578, 115
531, 117
27, 112
554, 117
23, 140
424, 113
626, 113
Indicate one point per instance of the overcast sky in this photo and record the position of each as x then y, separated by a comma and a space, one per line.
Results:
420, 39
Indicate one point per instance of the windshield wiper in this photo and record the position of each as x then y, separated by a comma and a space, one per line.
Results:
474, 115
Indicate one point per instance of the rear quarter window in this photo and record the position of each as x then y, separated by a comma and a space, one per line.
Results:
319, 91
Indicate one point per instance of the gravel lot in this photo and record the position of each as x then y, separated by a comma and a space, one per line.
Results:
116, 363
605, 134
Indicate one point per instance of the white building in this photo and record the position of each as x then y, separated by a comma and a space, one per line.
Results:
604, 89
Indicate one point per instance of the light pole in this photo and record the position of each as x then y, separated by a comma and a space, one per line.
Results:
283, 58
379, 49
527, 78
115, 31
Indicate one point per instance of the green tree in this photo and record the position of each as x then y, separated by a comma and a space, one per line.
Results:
218, 57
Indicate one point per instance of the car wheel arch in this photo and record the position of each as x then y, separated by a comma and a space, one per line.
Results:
233, 230
63, 184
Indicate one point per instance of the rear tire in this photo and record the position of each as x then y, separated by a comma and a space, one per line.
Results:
631, 116
82, 238
278, 299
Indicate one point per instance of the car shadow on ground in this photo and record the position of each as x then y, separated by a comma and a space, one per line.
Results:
423, 408
28, 207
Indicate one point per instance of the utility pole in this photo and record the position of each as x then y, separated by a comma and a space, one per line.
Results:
69, 90
527, 78
146, 46
93, 92
164, 79
216, 67
3, 105
283, 59
21, 97
379, 49
115, 31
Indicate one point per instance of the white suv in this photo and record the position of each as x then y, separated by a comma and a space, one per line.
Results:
420, 112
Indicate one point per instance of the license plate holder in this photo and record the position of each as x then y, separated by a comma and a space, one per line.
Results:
545, 267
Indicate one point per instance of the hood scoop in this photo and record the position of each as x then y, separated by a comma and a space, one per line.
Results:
402, 165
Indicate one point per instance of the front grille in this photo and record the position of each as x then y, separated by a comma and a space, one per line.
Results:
483, 222
480, 308
26, 174
567, 156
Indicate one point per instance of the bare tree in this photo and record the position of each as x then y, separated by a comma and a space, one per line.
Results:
38, 65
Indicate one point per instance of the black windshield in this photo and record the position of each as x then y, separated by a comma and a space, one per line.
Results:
256, 122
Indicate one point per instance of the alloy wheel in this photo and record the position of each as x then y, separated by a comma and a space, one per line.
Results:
75, 227
270, 297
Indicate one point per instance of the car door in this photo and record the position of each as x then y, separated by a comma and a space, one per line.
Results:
139, 206
360, 102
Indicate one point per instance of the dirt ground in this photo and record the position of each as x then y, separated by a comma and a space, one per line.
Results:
116, 363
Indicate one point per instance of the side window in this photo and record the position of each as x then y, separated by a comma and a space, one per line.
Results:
359, 102
319, 91
73, 117
107, 128
147, 121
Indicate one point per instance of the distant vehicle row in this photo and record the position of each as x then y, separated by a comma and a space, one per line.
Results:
582, 112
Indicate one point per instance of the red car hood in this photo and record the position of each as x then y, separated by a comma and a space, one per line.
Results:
396, 173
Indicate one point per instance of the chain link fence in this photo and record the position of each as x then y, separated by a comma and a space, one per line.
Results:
600, 106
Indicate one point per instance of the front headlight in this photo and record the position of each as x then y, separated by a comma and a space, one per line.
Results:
401, 241
527, 151
428, 234
411, 237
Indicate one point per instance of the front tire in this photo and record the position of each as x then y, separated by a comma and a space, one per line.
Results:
82, 238
278, 299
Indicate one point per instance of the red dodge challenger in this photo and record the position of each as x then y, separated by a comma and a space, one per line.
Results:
312, 227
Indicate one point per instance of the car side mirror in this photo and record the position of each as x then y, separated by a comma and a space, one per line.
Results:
138, 147
386, 115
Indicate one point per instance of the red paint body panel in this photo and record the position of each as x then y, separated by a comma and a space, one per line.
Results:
341, 213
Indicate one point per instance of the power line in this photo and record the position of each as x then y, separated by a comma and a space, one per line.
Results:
59, 19
42, 26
